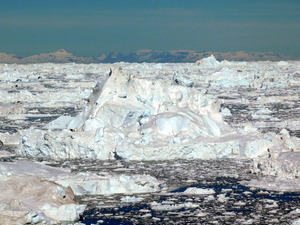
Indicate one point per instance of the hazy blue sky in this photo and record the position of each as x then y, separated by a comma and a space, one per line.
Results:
93, 27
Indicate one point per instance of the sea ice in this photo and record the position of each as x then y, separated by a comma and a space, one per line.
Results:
156, 112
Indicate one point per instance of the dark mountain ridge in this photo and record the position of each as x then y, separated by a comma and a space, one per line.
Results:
148, 56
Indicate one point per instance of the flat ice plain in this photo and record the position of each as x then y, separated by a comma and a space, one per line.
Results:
150, 143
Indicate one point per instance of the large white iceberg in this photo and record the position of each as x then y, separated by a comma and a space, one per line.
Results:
144, 117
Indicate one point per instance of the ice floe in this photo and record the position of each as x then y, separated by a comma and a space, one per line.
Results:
198, 191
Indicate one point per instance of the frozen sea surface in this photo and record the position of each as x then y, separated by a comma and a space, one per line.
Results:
263, 95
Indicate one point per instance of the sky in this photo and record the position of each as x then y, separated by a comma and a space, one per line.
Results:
94, 27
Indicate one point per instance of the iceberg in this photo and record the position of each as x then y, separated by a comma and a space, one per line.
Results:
143, 117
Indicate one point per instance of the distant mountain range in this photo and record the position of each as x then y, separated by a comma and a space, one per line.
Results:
177, 56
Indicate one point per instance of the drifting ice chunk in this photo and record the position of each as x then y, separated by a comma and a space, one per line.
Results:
198, 191
286, 165
208, 62
89, 184
131, 199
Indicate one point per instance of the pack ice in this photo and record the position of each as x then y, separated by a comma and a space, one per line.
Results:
143, 113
